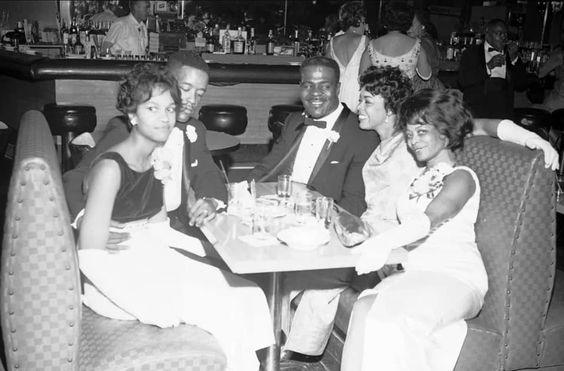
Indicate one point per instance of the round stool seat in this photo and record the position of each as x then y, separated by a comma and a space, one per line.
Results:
225, 118
75, 119
533, 119
278, 114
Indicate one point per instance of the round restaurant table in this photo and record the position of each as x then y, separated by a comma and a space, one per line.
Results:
221, 143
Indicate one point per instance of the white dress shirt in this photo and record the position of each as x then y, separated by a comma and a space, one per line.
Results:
499, 71
311, 145
127, 34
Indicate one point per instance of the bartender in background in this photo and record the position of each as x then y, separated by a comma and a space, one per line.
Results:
129, 34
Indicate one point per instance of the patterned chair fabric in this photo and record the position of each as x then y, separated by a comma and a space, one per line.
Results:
44, 325
516, 237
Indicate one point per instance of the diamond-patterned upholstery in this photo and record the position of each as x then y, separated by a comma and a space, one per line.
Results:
516, 328
44, 325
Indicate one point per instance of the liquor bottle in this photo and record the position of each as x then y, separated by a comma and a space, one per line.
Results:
239, 42
226, 42
252, 44
450, 48
296, 43
270, 43
73, 34
78, 46
210, 44
309, 44
65, 38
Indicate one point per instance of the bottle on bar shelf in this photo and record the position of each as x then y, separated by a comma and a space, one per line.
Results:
296, 43
239, 42
270, 43
210, 44
65, 38
252, 44
226, 42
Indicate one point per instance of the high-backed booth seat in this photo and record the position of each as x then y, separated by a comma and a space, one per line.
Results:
521, 325
226, 118
44, 325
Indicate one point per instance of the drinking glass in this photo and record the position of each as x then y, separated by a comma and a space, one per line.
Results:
324, 210
303, 206
284, 186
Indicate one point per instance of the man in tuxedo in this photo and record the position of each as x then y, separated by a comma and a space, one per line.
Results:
488, 74
322, 147
197, 195
325, 149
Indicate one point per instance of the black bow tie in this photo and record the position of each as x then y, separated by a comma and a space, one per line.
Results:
320, 124
490, 49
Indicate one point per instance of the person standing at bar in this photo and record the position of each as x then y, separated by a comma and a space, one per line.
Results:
347, 48
129, 34
489, 73
109, 14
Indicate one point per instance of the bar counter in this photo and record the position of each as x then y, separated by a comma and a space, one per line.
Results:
30, 81
256, 82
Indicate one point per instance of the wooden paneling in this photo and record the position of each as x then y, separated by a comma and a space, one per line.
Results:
257, 98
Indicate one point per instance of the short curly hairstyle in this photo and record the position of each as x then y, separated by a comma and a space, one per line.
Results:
388, 82
398, 16
139, 83
351, 14
444, 109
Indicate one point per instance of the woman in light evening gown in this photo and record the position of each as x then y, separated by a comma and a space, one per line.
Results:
396, 48
144, 279
347, 48
415, 320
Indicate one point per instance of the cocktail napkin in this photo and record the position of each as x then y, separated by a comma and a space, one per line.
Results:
259, 240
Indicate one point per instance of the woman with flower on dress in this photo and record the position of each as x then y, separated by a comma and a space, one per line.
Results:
415, 320
144, 279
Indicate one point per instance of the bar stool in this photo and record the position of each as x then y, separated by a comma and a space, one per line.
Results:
68, 121
535, 119
277, 116
226, 118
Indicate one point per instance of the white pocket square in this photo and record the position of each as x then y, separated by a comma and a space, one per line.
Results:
195, 163
334, 162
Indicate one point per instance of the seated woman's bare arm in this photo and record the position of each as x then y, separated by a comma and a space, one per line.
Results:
423, 66
103, 184
457, 189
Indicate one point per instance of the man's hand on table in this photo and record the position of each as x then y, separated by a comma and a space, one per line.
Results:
203, 211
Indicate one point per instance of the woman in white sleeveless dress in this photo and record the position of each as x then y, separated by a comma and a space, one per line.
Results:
415, 320
346, 49
143, 278
396, 48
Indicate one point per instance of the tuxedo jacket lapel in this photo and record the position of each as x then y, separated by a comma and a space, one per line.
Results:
325, 150
186, 161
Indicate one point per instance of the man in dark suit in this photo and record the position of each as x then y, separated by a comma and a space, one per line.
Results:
323, 147
203, 190
328, 159
488, 74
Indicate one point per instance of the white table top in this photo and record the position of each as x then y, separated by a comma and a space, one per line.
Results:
223, 233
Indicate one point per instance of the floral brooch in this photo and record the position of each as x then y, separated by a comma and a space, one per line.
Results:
191, 133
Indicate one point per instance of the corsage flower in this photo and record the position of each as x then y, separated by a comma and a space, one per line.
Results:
430, 182
191, 133
161, 159
333, 137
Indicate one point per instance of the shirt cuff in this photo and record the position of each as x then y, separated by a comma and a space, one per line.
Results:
219, 204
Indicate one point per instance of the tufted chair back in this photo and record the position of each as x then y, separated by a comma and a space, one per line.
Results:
516, 237
44, 324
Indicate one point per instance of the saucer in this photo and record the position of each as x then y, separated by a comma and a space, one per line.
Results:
304, 238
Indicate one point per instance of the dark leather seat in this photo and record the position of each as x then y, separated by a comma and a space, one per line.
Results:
534, 119
68, 121
556, 134
227, 118
277, 116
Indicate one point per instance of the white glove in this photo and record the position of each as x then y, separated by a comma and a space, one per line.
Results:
508, 131
375, 251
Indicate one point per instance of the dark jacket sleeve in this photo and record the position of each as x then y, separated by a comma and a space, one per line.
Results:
116, 131
279, 149
205, 177
353, 195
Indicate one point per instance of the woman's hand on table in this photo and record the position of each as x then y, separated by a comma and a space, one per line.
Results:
203, 211
116, 237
